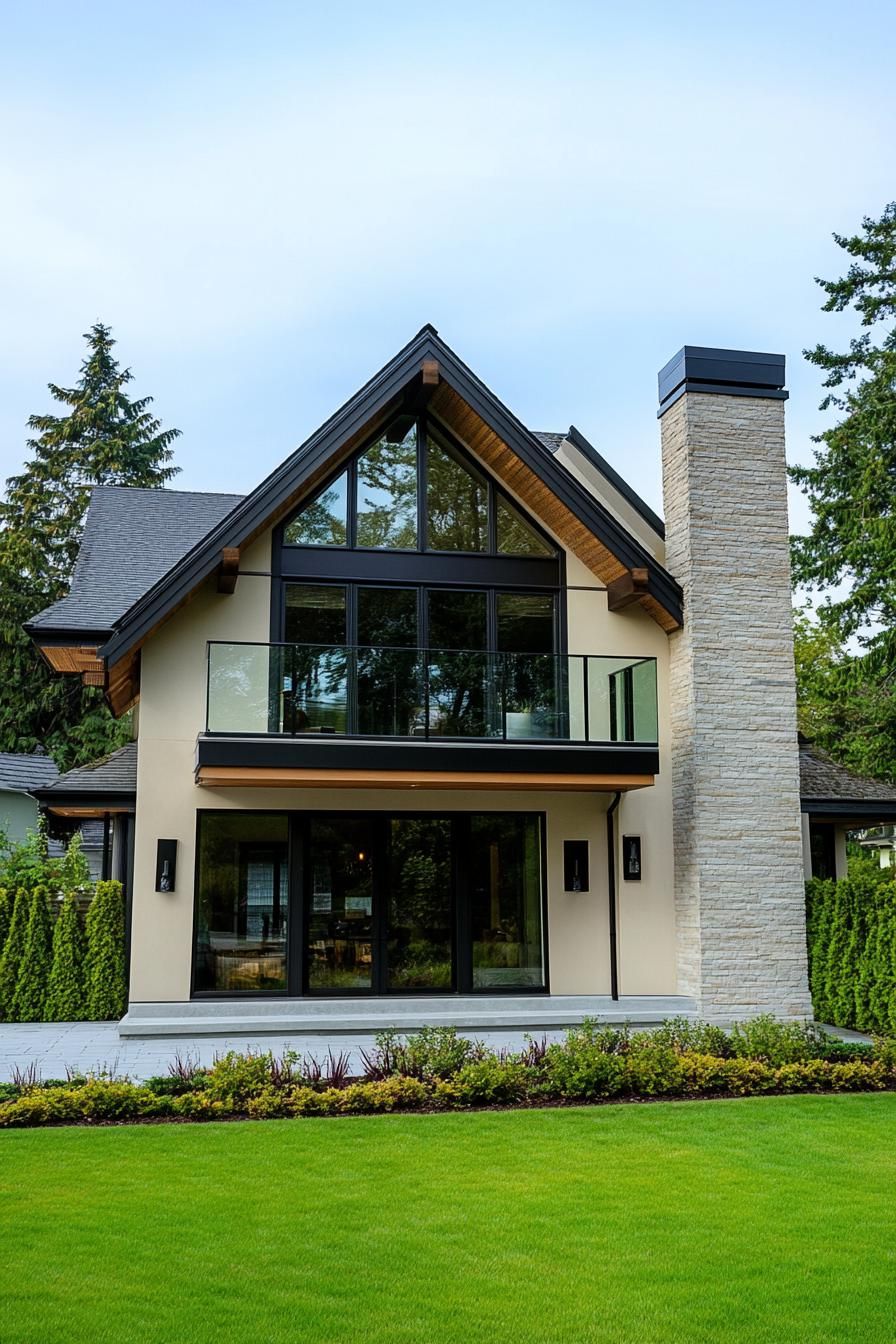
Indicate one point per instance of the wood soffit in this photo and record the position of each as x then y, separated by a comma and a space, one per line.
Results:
251, 777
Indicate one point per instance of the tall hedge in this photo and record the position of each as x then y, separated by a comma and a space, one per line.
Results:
66, 996
5, 916
29, 999
851, 930
13, 948
105, 967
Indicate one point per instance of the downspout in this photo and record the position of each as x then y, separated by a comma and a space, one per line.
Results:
611, 886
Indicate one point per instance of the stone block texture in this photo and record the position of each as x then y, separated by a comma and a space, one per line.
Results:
739, 893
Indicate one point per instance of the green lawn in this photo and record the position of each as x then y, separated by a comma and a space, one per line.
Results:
769, 1219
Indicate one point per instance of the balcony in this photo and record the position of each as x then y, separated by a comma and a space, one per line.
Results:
333, 707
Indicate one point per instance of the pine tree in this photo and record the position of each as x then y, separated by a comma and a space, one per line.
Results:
105, 965
12, 951
65, 988
30, 997
104, 438
852, 542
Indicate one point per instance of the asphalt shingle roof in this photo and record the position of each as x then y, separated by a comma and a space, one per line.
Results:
113, 774
550, 440
822, 778
132, 537
23, 773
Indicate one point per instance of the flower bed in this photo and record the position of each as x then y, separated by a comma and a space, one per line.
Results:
436, 1069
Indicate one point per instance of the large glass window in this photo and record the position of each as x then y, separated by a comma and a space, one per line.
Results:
387, 491
459, 700
456, 501
504, 865
323, 522
242, 902
390, 674
340, 919
315, 664
515, 535
421, 904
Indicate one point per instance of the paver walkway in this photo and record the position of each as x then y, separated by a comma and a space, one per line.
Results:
52, 1048
86, 1047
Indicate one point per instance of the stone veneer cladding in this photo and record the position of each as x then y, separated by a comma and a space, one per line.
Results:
739, 892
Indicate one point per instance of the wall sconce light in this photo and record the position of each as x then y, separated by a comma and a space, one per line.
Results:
166, 864
575, 865
631, 858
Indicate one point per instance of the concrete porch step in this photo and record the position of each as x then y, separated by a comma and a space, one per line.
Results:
335, 1017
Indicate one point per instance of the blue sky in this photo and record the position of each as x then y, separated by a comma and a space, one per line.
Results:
265, 201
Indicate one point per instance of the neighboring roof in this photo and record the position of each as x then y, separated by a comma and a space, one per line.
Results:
24, 773
132, 537
112, 776
553, 441
827, 788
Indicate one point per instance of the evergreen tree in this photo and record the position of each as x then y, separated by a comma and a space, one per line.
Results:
13, 949
65, 988
5, 916
105, 965
30, 997
851, 546
102, 438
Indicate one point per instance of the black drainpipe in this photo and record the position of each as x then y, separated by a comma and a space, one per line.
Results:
611, 884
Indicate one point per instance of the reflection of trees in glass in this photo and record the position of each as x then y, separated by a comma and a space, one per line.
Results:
420, 904
387, 493
456, 502
323, 521
515, 535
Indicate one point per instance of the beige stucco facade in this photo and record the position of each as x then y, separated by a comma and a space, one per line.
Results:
173, 712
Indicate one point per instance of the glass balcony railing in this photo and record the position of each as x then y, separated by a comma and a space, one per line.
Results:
300, 689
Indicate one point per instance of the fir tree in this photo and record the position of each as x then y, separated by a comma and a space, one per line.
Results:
851, 487
30, 997
105, 965
102, 438
13, 949
65, 988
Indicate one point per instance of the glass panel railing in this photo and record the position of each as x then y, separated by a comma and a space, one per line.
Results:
303, 689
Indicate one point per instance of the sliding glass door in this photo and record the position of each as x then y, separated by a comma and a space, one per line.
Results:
369, 903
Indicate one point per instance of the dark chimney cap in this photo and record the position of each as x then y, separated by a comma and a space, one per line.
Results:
731, 373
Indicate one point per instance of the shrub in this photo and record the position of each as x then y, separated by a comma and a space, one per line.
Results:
30, 997
431, 1052
234, 1078
13, 949
489, 1081
65, 988
580, 1069
681, 1034
777, 1042
105, 964
653, 1070
5, 916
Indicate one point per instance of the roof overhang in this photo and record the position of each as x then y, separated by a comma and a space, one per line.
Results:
426, 369
855, 812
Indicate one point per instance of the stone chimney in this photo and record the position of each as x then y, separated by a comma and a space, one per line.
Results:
739, 893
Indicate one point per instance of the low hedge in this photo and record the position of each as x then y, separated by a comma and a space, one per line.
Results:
436, 1069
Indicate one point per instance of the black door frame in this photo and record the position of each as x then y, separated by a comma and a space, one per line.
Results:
298, 836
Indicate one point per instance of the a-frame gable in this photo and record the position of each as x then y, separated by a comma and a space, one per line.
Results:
428, 370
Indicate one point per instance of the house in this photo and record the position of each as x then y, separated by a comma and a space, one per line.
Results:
443, 712
835, 801
20, 775
98, 799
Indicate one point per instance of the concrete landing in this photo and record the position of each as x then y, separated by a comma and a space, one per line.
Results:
346, 1017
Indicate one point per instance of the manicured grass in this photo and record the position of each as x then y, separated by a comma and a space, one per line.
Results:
771, 1219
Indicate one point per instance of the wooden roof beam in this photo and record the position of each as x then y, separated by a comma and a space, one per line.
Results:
630, 587
229, 569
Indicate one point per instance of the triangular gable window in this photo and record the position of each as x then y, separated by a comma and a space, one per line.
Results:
323, 521
413, 489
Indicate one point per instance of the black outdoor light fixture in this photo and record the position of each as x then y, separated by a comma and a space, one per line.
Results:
631, 858
575, 865
166, 864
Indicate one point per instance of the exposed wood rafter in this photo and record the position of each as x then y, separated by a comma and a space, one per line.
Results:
229, 569
629, 588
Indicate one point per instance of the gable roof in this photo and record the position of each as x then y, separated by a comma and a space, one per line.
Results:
132, 538
23, 773
111, 777
336, 438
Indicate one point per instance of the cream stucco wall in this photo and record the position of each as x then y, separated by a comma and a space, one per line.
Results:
172, 713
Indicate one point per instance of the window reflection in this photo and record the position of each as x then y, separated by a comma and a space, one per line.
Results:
322, 522
243, 902
456, 501
387, 491
505, 897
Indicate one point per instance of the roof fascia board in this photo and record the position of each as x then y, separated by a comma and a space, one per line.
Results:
588, 451
373, 397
